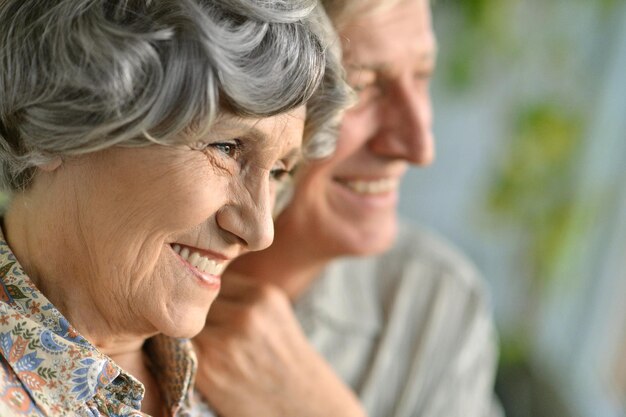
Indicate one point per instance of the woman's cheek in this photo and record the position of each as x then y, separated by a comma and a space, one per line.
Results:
195, 199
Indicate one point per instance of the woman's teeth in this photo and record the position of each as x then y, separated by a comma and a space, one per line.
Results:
372, 187
202, 263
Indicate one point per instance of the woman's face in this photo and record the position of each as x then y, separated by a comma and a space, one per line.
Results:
156, 226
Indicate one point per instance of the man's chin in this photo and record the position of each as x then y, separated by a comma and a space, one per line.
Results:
371, 240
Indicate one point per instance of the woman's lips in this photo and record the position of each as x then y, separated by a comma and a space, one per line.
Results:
209, 269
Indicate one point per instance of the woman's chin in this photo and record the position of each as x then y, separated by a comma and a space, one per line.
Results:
184, 325
186, 331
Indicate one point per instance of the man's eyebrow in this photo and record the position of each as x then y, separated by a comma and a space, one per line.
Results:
374, 67
294, 155
428, 58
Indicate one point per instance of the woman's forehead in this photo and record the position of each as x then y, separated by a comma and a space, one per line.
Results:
259, 127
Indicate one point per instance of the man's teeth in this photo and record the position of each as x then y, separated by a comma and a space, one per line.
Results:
372, 187
202, 263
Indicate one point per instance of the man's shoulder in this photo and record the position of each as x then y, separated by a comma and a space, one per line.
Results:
422, 303
417, 247
420, 278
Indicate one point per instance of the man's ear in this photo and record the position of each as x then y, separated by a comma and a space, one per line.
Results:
50, 166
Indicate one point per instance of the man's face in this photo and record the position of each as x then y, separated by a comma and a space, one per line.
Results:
347, 204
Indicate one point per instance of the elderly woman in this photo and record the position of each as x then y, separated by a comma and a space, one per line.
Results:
142, 143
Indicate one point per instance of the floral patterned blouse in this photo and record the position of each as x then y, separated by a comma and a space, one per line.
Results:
48, 369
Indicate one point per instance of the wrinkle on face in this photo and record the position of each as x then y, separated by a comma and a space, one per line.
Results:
107, 245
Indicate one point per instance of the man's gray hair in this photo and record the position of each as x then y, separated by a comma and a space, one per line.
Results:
78, 76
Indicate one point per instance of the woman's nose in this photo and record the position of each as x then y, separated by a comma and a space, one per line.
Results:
250, 218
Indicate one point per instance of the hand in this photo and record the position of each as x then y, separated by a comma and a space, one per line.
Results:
254, 359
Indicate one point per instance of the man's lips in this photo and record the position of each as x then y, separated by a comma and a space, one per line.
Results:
204, 261
371, 186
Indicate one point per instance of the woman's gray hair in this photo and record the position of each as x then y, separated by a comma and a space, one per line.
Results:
78, 76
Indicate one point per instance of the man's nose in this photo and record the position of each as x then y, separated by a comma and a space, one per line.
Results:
250, 220
405, 125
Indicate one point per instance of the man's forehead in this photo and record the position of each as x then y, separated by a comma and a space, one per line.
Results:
403, 33
416, 54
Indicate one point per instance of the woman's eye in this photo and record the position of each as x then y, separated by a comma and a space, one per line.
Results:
231, 149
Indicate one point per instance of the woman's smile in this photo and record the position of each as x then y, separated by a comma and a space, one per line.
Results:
206, 265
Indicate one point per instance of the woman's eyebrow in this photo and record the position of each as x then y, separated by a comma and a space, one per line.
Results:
258, 136
229, 127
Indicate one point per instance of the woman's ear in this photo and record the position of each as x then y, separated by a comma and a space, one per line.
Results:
51, 165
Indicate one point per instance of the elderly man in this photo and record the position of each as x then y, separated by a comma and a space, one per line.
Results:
350, 313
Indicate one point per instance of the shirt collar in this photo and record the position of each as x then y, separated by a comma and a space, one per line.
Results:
174, 365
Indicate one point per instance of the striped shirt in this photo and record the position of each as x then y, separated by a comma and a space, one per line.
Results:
410, 331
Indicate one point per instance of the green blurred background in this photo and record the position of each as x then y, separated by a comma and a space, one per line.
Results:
530, 180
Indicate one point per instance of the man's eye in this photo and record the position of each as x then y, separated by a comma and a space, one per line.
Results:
280, 174
367, 93
361, 79
423, 75
359, 88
